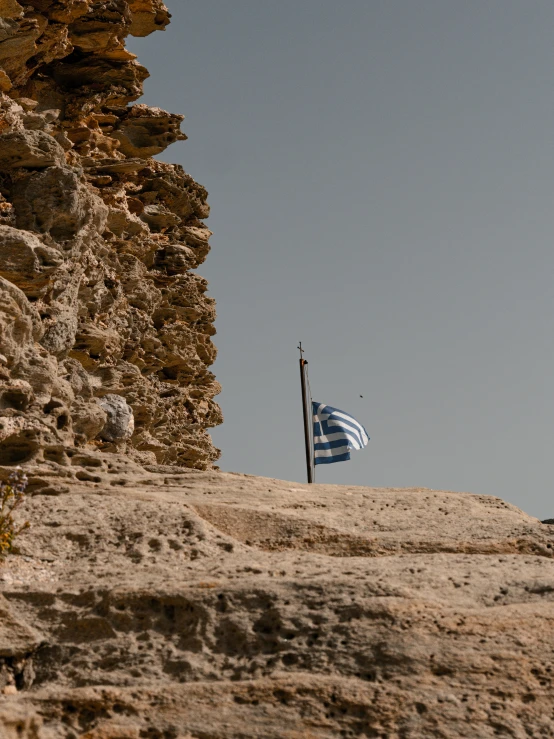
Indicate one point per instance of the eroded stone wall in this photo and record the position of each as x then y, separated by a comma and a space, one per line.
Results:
105, 332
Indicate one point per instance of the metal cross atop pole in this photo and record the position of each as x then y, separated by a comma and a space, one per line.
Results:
303, 373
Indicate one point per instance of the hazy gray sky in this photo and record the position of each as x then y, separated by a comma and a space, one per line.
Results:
380, 175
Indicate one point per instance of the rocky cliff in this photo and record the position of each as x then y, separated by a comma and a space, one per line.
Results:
210, 605
148, 600
106, 332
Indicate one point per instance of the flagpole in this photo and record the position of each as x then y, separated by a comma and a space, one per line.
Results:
303, 370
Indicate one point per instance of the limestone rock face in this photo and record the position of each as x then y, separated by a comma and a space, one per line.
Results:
97, 244
201, 604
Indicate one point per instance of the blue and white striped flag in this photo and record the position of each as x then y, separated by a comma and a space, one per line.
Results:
335, 434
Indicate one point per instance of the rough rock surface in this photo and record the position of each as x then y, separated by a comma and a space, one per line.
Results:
120, 422
97, 244
149, 600
170, 603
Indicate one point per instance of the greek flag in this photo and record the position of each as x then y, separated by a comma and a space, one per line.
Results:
335, 434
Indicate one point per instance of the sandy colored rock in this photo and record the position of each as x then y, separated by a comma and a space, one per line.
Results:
15, 636
33, 149
223, 605
100, 240
17, 723
147, 16
26, 261
10, 9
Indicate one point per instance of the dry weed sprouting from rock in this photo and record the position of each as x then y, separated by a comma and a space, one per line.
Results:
12, 494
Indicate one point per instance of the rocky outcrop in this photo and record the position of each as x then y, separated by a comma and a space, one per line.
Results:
105, 332
149, 600
224, 606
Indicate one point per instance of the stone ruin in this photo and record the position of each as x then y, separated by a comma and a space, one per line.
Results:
105, 331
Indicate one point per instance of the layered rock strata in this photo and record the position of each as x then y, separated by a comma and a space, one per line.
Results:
217, 606
106, 331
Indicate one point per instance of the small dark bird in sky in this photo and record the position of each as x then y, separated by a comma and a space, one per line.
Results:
361, 396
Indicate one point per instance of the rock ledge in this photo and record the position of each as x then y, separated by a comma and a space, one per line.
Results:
204, 604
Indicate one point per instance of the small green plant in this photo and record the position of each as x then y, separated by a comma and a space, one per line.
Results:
12, 494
